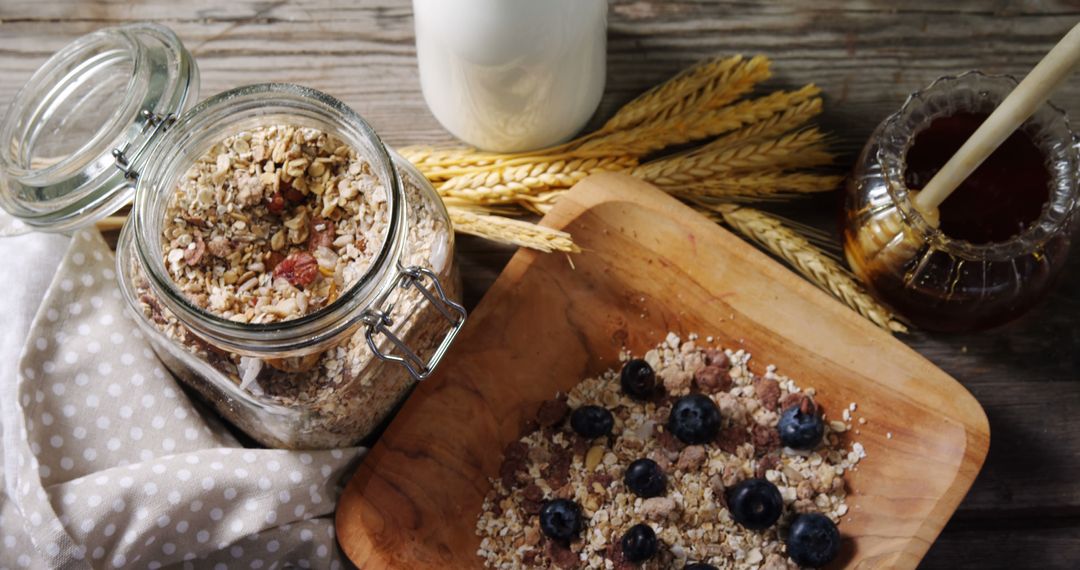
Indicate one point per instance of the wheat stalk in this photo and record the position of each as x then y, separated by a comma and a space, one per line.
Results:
514, 183
431, 157
757, 185
812, 264
694, 125
511, 231
776, 125
801, 147
714, 83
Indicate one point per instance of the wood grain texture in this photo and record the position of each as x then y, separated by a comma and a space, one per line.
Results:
865, 55
652, 265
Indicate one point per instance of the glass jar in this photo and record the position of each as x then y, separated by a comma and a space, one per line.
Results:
948, 284
512, 75
324, 379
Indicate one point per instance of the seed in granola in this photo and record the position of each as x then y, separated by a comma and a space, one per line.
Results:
694, 419
645, 478
801, 426
813, 540
591, 422
755, 504
593, 457
300, 269
561, 519
640, 543
638, 379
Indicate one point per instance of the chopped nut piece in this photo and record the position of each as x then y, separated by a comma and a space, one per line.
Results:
712, 379
194, 251
658, 508
768, 392
691, 458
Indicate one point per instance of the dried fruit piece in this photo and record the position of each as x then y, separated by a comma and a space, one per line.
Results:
291, 194
300, 269
276, 205
553, 412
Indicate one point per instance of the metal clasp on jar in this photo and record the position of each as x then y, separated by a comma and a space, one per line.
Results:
379, 322
152, 123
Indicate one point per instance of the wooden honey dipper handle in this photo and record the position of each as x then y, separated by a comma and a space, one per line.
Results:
1020, 104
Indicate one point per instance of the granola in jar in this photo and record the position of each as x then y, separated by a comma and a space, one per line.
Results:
275, 250
249, 207
639, 491
273, 223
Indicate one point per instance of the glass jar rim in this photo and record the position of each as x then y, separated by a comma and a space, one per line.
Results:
84, 185
312, 329
897, 137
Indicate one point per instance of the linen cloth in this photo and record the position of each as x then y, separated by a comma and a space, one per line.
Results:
108, 464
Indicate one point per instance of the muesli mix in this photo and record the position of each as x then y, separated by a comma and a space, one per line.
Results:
275, 223
272, 224
684, 458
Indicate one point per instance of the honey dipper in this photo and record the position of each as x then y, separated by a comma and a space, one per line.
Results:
886, 240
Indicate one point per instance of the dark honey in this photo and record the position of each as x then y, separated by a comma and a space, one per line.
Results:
998, 201
1002, 198
1005, 232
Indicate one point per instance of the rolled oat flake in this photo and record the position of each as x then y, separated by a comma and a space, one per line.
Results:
287, 266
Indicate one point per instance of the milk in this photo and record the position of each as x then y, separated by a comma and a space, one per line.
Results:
511, 75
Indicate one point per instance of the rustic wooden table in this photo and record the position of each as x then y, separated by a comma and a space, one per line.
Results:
1024, 510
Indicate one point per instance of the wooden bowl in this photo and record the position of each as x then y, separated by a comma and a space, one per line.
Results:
651, 265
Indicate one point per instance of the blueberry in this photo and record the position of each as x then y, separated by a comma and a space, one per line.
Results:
755, 503
801, 427
813, 540
560, 519
638, 379
645, 478
694, 419
639, 543
591, 422
700, 566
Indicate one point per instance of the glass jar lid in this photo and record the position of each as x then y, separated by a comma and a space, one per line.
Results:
76, 133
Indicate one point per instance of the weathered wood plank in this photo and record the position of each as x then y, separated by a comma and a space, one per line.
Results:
1048, 546
866, 56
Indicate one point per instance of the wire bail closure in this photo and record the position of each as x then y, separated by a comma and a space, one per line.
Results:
155, 124
379, 322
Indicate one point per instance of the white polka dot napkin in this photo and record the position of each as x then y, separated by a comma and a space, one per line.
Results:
108, 464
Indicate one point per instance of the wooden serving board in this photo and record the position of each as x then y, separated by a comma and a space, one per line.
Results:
652, 265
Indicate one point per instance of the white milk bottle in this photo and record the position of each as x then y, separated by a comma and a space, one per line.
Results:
512, 75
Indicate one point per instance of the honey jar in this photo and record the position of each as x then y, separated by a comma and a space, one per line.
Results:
1002, 237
